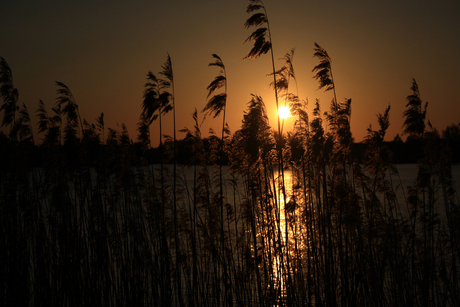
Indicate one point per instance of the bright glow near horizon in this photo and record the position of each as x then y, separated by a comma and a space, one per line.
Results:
283, 112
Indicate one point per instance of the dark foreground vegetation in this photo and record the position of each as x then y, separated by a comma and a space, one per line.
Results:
306, 218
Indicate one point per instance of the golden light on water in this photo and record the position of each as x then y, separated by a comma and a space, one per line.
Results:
283, 112
286, 231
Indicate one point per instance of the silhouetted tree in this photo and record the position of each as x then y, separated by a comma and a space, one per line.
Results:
397, 138
451, 135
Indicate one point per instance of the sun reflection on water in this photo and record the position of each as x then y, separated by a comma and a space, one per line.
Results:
292, 240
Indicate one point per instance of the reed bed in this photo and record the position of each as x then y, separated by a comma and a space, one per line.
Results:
74, 234
259, 217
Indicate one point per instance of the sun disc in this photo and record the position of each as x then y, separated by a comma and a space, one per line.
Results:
283, 112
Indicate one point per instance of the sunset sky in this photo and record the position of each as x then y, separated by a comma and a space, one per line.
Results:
102, 50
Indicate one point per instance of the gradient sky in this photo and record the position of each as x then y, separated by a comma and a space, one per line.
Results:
102, 50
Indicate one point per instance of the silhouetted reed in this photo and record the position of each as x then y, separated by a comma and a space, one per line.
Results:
254, 218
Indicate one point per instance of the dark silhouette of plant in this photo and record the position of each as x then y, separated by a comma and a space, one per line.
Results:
338, 199
378, 161
415, 114
215, 105
339, 122
43, 119
256, 131
66, 102
156, 100
323, 69
283, 76
9, 94
452, 137
23, 128
262, 43
251, 155
144, 134
90, 129
89, 231
218, 102
50, 125
100, 127
155, 105
90, 148
285, 73
167, 72
323, 73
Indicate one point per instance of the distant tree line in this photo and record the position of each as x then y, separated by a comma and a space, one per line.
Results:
92, 152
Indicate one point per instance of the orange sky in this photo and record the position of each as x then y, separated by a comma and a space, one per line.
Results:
103, 50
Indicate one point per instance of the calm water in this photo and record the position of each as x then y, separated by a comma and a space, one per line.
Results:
406, 178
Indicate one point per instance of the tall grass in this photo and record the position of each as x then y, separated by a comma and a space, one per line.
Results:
296, 219
79, 231
78, 235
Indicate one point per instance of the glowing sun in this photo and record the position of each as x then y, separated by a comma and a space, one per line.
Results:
283, 112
